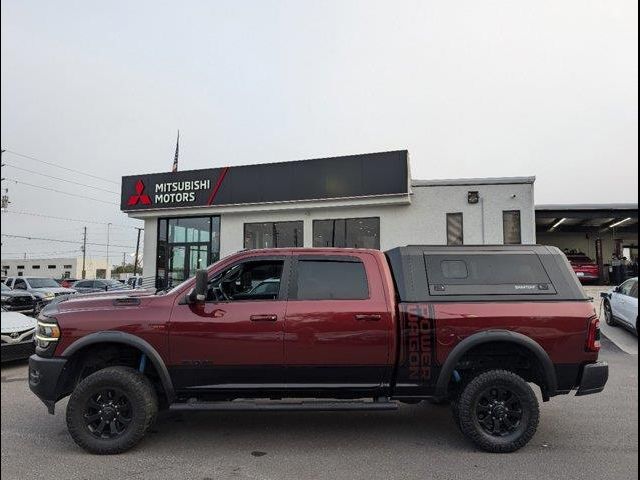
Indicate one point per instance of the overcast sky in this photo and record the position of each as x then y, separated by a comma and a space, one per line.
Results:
470, 88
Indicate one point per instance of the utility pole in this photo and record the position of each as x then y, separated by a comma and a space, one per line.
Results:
124, 259
135, 262
84, 253
108, 271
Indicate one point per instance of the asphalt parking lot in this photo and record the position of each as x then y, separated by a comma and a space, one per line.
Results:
593, 436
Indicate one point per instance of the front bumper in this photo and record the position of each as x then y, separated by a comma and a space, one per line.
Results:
594, 378
45, 379
17, 351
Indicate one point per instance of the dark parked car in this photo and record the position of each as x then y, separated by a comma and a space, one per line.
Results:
346, 329
98, 285
18, 300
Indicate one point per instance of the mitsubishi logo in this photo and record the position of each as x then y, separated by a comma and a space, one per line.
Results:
139, 196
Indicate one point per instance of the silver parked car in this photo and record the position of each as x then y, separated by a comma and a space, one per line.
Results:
44, 289
17, 332
621, 305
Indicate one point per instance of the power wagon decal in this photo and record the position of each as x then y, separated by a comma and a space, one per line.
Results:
417, 366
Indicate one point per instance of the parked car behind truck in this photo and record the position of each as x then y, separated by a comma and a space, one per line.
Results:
346, 329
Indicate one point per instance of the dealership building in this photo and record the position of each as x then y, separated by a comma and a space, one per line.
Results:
192, 218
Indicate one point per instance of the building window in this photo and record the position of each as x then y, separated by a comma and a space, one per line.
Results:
347, 233
5, 267
273, 235
35, 267
20, 267
51, 267
511, 227
67, 266
455, 229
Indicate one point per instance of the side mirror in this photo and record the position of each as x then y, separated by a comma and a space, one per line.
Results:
199, 293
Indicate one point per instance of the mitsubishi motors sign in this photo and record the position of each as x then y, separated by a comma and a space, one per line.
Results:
354, 176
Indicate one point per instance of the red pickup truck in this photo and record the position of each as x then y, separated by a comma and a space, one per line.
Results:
332, 329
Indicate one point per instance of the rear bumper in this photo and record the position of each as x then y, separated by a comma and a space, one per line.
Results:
594, 378
45, 379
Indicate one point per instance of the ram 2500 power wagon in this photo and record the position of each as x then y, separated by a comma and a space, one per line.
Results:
328, 329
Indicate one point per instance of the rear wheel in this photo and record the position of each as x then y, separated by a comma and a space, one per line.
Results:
110, 410
608, 314
498, 411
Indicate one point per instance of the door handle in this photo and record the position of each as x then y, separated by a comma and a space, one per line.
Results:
368, 317
263, 318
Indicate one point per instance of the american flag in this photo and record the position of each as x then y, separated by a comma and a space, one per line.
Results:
175, 158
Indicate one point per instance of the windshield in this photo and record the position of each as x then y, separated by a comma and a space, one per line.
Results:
43, 283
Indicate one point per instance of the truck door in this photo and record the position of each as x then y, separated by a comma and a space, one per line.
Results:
234, 340
337, 327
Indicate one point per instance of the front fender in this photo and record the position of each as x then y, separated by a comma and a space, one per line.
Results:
114, 336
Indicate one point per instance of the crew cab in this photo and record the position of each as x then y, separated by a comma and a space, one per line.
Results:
345, 329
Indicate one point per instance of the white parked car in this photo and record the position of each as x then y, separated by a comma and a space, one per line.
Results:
621, 305
17, 332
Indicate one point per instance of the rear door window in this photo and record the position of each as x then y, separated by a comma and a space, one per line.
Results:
331, 280
487, 274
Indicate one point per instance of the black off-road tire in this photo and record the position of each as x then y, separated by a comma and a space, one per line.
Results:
455, 412
142, 407
608, 314
472, 409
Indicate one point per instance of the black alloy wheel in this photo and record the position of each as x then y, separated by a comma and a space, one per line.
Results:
108, 413
498, 411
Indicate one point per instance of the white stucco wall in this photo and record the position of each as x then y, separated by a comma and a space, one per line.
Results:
91, 265
421, 219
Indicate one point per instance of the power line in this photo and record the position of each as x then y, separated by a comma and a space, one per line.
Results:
60, 191
61, 179
68, 219
59, 166
64, 241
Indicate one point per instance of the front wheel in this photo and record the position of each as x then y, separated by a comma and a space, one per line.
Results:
498, 411
110, 410
608, 314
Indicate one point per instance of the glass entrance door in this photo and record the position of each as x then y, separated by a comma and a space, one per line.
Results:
176, 271
185, 245
185, 259
198, 258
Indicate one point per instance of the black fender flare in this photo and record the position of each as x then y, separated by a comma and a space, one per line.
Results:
114, 336
505, 336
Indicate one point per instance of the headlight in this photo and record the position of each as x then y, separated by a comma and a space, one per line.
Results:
4, 298
49, 295
47, 331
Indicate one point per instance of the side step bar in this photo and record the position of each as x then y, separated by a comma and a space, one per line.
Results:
245, 406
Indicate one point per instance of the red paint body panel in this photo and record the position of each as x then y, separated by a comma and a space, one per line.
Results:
560, 328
